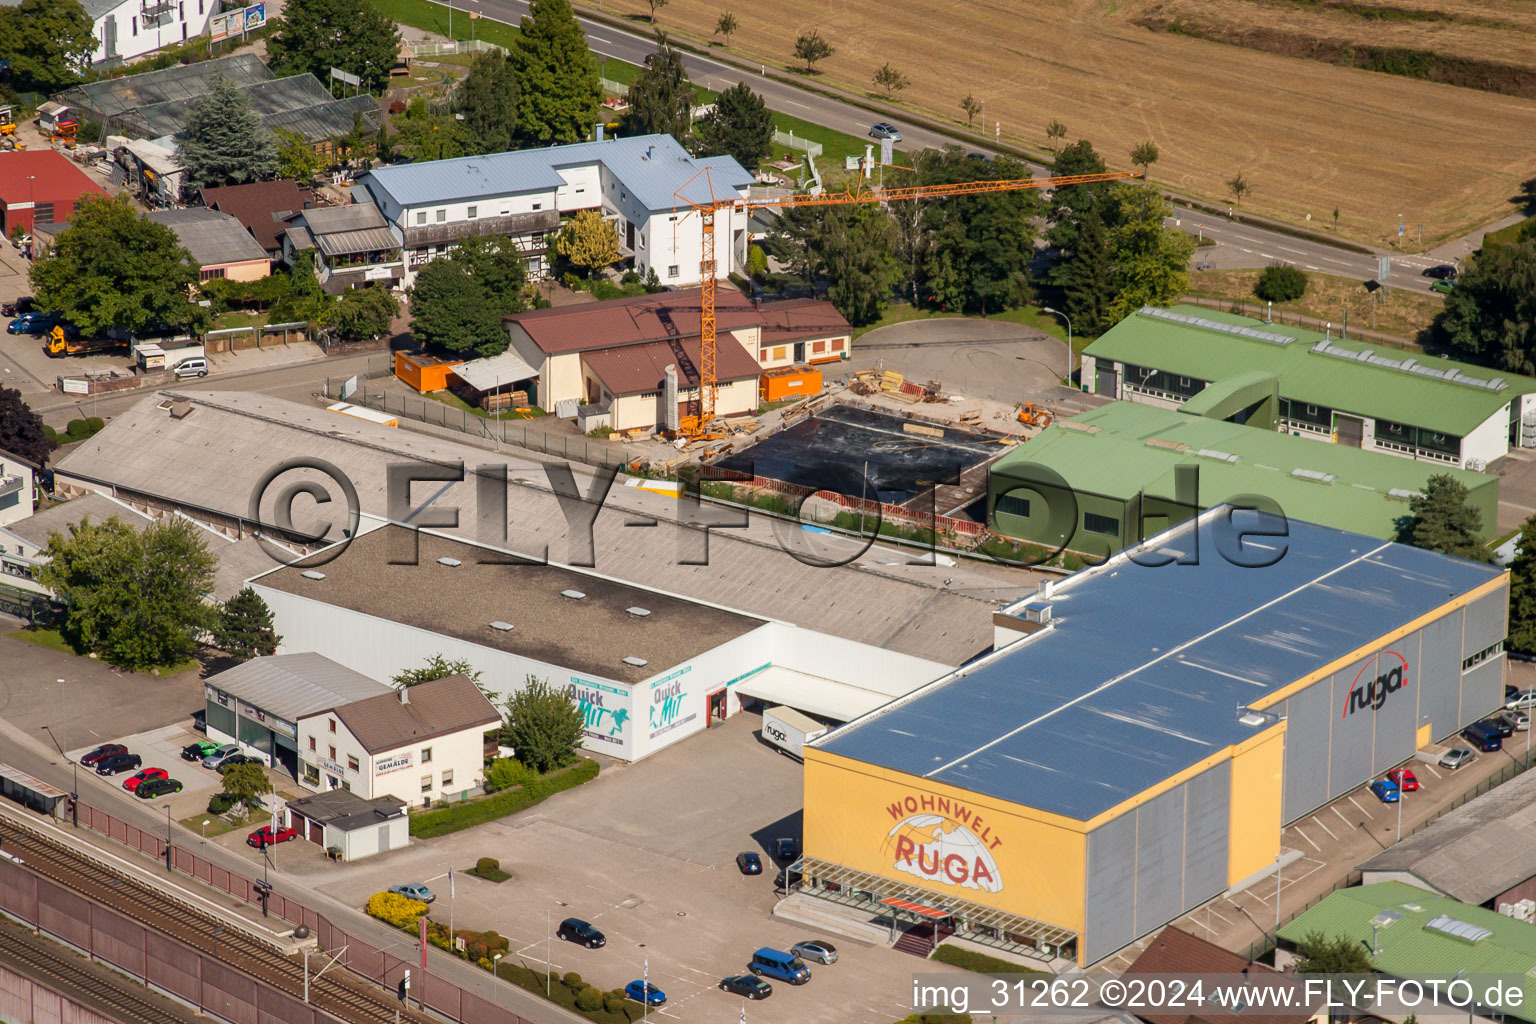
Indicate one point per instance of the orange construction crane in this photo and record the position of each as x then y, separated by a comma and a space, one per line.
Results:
709, 204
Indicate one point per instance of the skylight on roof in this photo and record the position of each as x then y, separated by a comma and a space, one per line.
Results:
312, 574
1460, 930
635, 662
574, 595
450, 562
638, 611
504, 627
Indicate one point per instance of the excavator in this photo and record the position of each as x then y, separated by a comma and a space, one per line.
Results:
1032, 415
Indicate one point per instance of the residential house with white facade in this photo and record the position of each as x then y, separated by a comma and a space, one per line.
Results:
642, 185
420, 744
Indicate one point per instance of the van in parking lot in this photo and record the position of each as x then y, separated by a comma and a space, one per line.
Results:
1483, 736
778, 964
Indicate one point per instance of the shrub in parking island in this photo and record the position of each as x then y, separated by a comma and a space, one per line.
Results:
613, 1001
572, 981
589, 998
392, 908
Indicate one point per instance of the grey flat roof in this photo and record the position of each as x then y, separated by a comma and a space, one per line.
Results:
294, 685
38, 527
1483, 848
213, 458
593, 634
211, 237
1144, 669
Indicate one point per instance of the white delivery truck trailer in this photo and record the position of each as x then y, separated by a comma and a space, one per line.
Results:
790, 731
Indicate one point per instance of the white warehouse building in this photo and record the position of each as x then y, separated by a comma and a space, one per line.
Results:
523, 194
647, 668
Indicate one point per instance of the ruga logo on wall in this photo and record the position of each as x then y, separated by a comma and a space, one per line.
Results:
943, 840
1373, 693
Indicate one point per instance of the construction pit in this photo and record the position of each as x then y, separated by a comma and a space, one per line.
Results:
867, 455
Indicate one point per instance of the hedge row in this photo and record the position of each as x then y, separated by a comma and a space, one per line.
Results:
970, 960
477, 812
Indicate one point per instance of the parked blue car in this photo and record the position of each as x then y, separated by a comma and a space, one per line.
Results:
1386, 791
31, 323
643, 992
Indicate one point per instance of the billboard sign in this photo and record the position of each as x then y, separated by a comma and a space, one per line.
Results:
237, 22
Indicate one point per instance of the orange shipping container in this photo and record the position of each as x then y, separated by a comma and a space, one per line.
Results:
790, 382
424, 373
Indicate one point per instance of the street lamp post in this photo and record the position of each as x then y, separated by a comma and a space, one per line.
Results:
1057, 312
205, 831
1279, 865
496, 976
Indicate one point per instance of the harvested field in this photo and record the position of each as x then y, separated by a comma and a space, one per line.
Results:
1307, 136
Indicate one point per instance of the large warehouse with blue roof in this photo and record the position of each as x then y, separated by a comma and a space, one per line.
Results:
1143, 730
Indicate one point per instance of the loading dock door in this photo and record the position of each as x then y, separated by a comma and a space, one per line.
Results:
1108, 382
1350, 430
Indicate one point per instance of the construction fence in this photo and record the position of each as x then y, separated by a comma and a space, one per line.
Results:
180, 970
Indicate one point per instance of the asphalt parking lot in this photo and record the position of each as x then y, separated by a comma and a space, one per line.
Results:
646, 853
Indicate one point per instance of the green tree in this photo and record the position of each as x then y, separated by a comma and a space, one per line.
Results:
21, 429
891, 80
224, 142
1055, 132
459, 300
544, 725
1336, 954
438, 666
1440, 519
559, 91
979, 246
848, 249
1522, 591
317, 35
422, 135
1490, 316
1070, 205
487, 99
972, 106
243, 627
365, 312
739, 126
247, 783
1280, 282
86, 279
48, 42
726, 26
296, 158
588, 241
1151, 262
655, 6
660, 98
1087, 280
1144, 155
137, 598
1238, 186
812, 49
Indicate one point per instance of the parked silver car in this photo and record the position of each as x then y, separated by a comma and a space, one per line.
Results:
1456, 757
819, 950
1517, 718
219, 756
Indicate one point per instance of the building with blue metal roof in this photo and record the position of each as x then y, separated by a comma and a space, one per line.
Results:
1143, 730
643, 185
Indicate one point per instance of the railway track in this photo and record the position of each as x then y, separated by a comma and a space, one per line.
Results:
336, 993
64, 971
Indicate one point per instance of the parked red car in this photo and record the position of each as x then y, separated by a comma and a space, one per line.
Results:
267, 836
101, 753
1405, 779
131, 783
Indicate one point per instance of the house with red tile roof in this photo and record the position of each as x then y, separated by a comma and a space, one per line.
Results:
1176, 952
613, 355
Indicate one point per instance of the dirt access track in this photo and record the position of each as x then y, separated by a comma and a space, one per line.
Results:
1308, 137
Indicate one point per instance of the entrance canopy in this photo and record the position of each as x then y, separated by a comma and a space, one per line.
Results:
915, 908
842, 702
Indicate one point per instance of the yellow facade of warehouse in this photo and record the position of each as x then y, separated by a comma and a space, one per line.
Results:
852, 808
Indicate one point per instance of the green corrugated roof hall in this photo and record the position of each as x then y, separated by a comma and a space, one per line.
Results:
1414, 934
1313, 384
1123, 456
